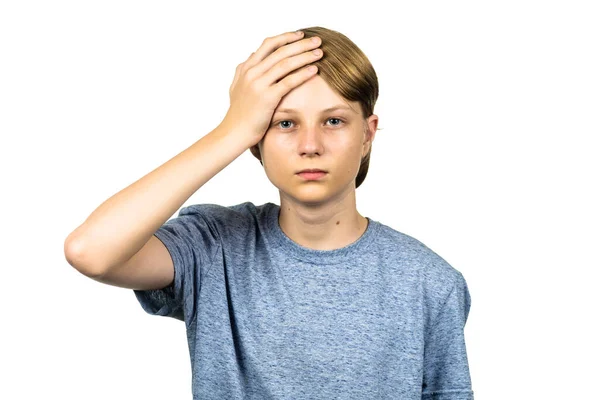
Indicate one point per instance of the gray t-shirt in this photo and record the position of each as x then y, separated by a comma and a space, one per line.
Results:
266, 318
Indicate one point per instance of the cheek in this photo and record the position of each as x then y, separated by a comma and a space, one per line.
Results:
274, 159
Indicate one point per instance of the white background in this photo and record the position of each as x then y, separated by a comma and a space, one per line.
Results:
488, 154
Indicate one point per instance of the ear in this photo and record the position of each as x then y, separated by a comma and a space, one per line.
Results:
255, 150
370, 129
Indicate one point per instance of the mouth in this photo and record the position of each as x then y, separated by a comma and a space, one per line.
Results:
311, 170
312, 174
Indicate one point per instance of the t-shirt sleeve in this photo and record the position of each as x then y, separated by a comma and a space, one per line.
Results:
446, 368
192, 241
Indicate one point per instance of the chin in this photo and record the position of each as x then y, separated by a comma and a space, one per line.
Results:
308, 195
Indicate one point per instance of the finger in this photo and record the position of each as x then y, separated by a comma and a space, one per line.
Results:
293, 80
235, 77
280, 56
269, 45
289, 65
238, 71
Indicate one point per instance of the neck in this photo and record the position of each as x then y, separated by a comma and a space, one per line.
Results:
327, 227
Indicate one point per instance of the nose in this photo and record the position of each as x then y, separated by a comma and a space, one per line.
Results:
310, 141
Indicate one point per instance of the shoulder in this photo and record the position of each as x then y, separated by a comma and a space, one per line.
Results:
233, 218
437, 274
219, 212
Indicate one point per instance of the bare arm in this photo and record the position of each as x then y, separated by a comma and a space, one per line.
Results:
125, 222
115, 244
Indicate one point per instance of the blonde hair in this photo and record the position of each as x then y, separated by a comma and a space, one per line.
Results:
348, 71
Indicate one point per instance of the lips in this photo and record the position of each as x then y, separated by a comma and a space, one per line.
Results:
311, 170
312, 176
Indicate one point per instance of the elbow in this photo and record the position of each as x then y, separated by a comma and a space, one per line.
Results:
75, 255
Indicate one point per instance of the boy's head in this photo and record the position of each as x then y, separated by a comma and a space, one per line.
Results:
338, 141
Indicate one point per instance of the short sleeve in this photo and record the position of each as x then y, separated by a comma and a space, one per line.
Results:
192, 241
446, 368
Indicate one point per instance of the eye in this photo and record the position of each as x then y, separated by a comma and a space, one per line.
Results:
280, 122
340, 122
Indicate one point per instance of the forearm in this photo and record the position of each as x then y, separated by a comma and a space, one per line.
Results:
121, 225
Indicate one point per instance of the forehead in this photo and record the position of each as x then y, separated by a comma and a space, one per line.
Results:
312, 96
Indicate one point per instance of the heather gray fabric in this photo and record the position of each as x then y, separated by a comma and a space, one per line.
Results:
266, 318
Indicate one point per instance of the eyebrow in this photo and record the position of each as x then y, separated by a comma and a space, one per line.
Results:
334, 108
